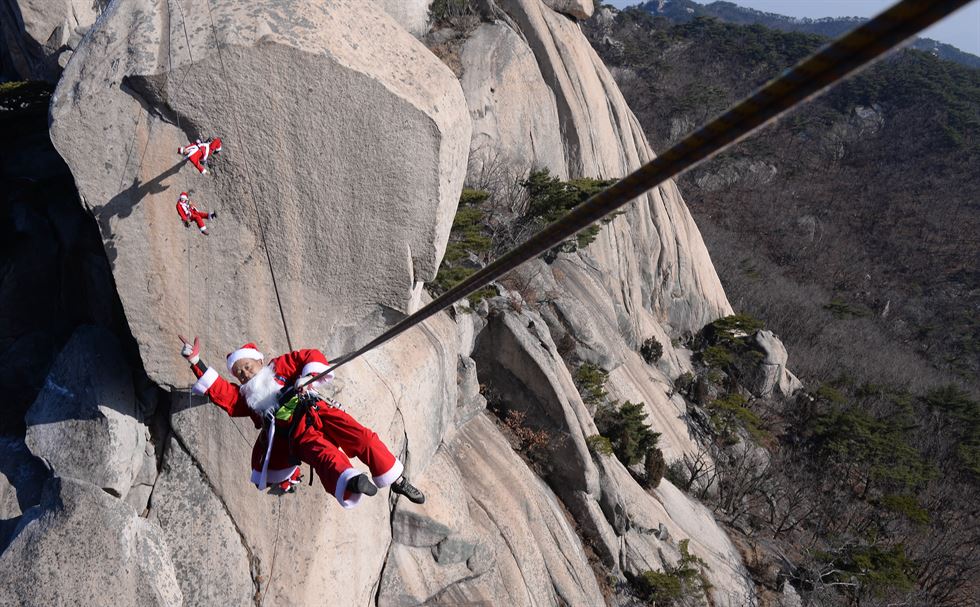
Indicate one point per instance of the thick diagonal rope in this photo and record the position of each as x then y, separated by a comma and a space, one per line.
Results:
807, 78
248, 179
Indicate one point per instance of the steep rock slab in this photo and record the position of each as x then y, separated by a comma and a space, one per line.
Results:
657, 266
40, 35
210, 561
123, 560
435, 545
85, 422
538, 557
349, 133
21, 477
515, 120
772, 375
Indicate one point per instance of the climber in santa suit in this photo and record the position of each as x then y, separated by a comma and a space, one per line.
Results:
188, 213
200, 151
315, 436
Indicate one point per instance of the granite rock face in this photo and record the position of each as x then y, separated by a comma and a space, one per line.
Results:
86, 422
413, 15
204, 543
772, 376
40, 35
345, 147
515, 120
82, 546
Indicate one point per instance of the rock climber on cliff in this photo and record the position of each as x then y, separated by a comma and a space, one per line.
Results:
200, 152
307, 428
188, 213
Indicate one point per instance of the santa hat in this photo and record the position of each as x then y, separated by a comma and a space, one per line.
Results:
216, 145
180, 150
183, 196
247, 351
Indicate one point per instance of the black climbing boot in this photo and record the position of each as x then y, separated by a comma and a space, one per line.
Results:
403, 487
361, 484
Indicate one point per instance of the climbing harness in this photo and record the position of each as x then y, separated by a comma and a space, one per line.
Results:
807, 78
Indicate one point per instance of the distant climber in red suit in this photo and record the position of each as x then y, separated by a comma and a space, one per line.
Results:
188, 213
314, 431
200, 151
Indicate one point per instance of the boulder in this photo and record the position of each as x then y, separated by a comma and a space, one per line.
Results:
771, 374
81, 546
580, 9
21, 478
204, 543
85, 422
40, 35
345, 146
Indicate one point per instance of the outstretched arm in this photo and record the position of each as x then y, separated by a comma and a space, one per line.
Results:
220, 391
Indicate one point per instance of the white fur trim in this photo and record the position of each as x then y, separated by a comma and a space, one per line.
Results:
264, 477
202, 385
241, 353
390, 476
273, 477
313, 368
338, 493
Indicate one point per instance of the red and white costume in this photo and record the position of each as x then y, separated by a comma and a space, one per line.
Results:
188, 212
316, 440
199, 152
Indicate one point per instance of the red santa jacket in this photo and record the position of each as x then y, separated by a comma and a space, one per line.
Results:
291, 368
186, 210
199, 152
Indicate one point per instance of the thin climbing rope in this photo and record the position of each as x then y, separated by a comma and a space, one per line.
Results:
807, 78
255, 205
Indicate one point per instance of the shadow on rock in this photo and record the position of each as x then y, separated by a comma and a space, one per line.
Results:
123, 203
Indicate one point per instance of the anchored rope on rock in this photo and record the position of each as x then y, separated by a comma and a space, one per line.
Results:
807, 78
258, 216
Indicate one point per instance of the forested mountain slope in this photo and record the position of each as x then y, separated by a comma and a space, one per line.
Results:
850, 229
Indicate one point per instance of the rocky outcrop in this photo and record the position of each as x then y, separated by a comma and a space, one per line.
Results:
772, 376
85, 422
413, 15
355, 211
81, 546
40, 35
517, 357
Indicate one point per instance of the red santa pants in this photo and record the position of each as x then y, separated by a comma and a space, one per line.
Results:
198, 218
316, 443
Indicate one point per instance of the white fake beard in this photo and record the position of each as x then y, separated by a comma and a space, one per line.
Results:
261, 391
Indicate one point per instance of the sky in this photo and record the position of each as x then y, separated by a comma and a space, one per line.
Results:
961, 29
